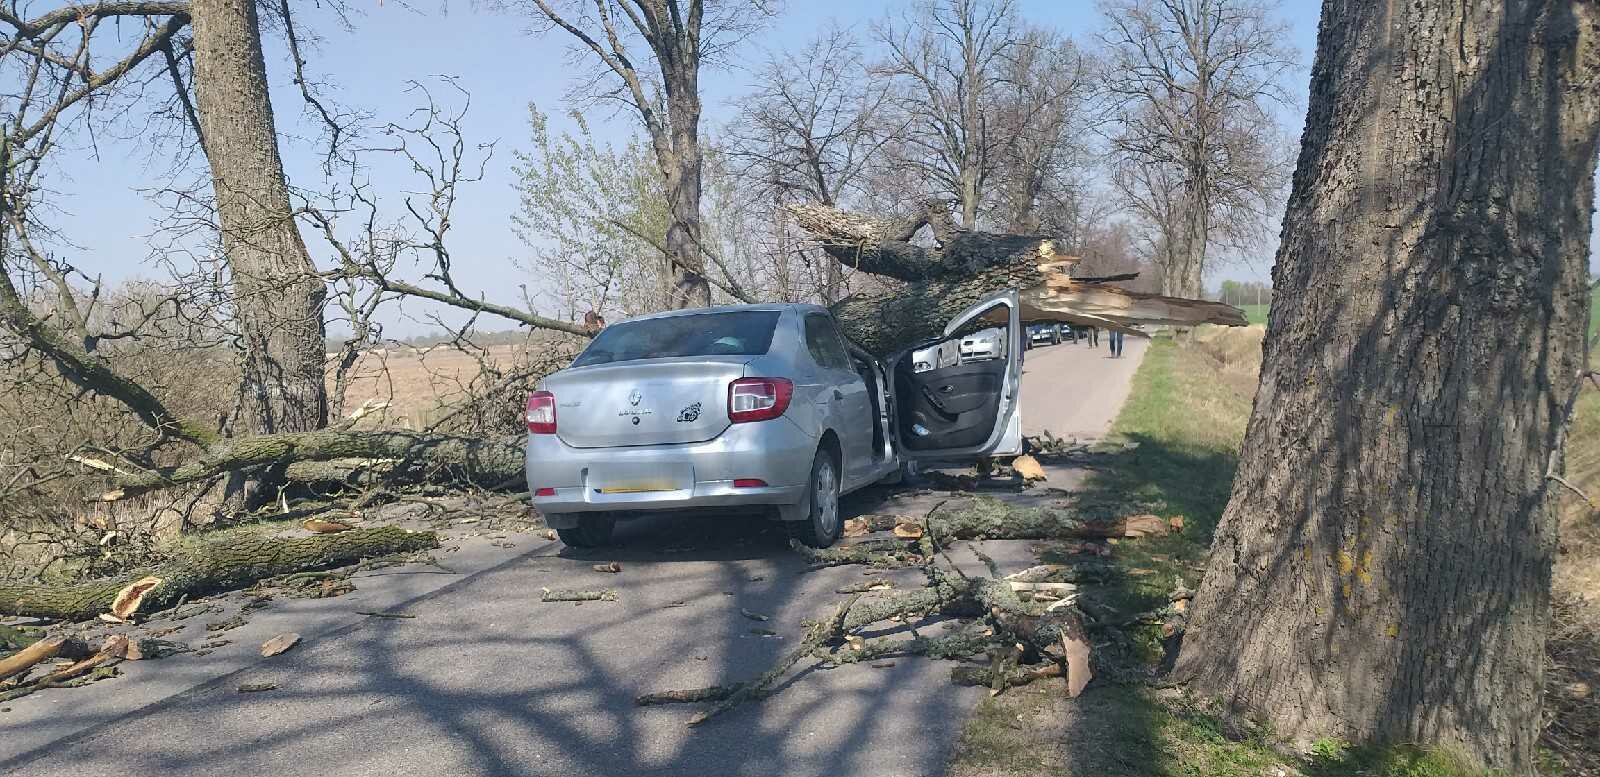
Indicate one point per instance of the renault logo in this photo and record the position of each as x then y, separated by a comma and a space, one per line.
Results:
633, 397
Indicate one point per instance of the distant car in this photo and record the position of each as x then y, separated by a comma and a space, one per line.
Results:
935, 357
758, 406
984, 344
1044, 334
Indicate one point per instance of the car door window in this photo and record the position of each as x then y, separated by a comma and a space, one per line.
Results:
824, 344
968, 408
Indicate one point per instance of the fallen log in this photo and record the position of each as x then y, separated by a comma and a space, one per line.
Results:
213, 567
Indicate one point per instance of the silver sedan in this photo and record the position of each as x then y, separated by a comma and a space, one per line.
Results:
756, 406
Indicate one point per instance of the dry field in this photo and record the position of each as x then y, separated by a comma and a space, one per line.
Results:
421, 384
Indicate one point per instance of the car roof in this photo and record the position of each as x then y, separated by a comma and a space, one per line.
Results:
776, 307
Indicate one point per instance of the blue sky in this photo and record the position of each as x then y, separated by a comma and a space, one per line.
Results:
504, 65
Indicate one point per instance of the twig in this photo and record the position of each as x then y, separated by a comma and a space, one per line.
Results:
577, 596
819, 633
1574, 489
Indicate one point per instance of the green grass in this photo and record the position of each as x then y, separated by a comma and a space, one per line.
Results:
1594, 315
1187, 426
1256, 313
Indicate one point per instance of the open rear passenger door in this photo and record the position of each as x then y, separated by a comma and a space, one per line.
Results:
959, 397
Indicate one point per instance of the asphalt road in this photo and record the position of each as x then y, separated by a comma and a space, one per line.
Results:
1075, 391
485, 679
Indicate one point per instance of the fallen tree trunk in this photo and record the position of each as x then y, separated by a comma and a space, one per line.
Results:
968, 266
212, 568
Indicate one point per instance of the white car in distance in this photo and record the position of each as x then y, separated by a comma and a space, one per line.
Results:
983, 344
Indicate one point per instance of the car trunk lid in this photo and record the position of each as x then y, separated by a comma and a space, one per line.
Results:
644, 402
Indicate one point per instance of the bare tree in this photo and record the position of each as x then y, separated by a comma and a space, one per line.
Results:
810, 128
947, 58
677, 37
1042, 120
1383, 569
1192, 84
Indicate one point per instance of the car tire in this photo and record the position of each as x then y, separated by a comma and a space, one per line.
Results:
822, 525
591, 532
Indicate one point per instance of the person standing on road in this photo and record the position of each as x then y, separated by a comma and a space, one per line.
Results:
1094, 337
1115, 341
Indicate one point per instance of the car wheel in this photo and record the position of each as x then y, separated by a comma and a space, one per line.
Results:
821, 528
591, 532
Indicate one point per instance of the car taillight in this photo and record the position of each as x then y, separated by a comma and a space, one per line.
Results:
541, 413
758, 399
749, 483
546, 491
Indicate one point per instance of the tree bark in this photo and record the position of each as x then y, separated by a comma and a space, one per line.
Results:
277, 292
1382, 571
685, 233
219, 566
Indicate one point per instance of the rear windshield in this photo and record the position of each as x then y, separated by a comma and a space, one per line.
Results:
733, 333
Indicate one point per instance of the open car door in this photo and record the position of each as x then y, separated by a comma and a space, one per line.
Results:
958, 397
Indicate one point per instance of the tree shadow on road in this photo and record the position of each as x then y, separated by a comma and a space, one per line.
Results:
485, 679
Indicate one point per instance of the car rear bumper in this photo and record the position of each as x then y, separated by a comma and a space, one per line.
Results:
674, 477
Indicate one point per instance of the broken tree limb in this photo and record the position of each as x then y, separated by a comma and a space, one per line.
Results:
43, 650
688, 695
818, 634
883, 554
968, 266
470, 459
113, 651
988, 518
880, 245
222, 565
549, 595
969, 641
1009, 675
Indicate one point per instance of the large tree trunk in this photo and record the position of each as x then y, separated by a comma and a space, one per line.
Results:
1382, 571
685, 233
678, 52
276, 289
939, 283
